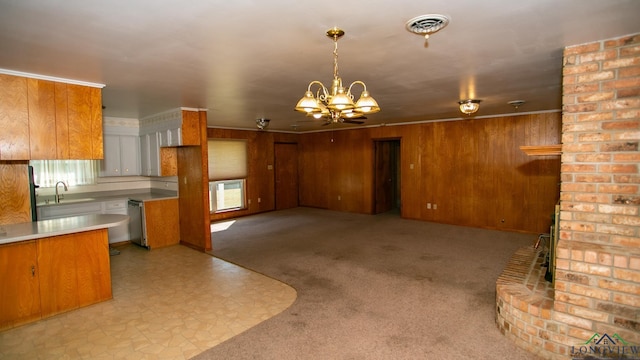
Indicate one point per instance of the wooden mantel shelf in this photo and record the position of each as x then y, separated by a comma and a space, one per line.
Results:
542, 150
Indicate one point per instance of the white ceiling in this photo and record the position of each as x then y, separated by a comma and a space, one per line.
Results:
244, 59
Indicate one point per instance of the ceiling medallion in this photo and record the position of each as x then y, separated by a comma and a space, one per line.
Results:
336, 105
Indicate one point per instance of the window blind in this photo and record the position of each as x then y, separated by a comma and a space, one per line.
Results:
227, 159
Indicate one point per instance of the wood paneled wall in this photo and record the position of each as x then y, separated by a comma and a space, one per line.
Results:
260, 177
472, 170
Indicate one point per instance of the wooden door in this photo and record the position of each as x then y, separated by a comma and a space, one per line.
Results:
286, 175
385, 175
19, 287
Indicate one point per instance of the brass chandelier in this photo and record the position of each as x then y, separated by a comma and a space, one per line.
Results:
336, 105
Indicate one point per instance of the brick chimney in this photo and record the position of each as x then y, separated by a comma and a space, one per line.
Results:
597, 287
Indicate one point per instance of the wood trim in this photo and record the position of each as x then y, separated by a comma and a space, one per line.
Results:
542, 150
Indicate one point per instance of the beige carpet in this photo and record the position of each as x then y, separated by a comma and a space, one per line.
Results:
371, 287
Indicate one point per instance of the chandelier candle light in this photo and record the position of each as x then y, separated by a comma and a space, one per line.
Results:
336, 105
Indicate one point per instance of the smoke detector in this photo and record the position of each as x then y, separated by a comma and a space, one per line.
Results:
426, 25
262, 123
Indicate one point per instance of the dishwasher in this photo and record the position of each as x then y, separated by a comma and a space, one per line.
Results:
137, 231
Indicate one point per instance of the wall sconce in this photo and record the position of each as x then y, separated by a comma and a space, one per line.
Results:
262, 123
469, 106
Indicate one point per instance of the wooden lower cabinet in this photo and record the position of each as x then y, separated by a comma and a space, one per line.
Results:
48, 276
19, 284
162, 223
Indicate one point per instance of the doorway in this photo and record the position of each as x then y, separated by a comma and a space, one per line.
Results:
286, 175
386, 186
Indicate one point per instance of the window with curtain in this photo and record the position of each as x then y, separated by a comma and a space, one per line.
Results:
227, 174
47, 173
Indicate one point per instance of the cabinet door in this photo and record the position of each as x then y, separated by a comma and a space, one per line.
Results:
93, 267
14, 118
62, 122
163, 138
190, 132
19, 289
150, 154
144, 155
74, 271
175, 137
85, 122
129, 155
58, 274
42, 119
110, 165
162, 223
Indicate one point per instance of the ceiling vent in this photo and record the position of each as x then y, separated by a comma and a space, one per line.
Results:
426, 25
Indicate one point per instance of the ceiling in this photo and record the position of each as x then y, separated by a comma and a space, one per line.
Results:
243, 60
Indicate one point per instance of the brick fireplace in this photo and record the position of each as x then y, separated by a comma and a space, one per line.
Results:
596, 292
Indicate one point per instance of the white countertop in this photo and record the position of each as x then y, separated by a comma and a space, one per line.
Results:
86, 198
68, 225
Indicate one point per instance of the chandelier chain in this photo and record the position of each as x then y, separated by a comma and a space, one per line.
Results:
335, 57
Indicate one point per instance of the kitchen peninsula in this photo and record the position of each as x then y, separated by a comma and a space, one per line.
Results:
52, 266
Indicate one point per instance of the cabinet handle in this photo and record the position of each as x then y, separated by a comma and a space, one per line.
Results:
33, 270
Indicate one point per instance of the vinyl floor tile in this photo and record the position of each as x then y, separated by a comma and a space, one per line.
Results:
169, 303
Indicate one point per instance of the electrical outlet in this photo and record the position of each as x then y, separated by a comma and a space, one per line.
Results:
259, 200
428, 205
435, 206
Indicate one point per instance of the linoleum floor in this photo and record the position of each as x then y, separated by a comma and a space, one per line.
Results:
168, 303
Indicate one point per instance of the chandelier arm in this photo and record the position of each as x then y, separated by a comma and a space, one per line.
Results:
356, 82
321, 87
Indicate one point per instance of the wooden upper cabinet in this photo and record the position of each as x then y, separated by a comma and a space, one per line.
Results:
47, 120
84, 111
42, 119
190, 128
62, 122
14, 118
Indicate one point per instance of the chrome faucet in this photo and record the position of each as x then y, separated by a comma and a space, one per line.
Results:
58, 195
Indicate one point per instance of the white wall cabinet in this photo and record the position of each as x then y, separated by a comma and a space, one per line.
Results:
170, 137
121, 156
150, 154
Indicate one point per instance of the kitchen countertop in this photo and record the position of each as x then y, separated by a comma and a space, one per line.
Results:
46, 228
100, 197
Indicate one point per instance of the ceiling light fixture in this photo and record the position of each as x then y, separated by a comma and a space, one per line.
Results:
262, 123
469, 106
336, 105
